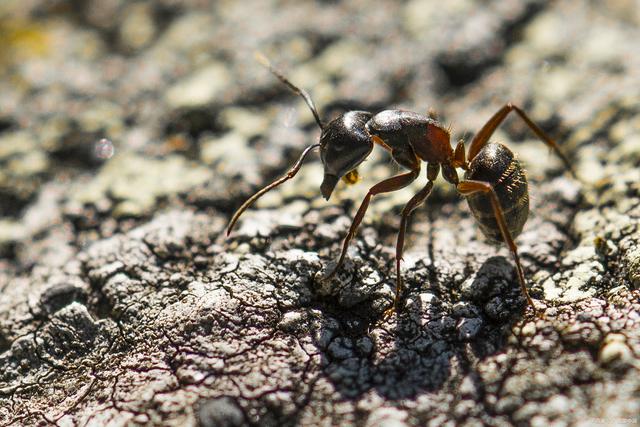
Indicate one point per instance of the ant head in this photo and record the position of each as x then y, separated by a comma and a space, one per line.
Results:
344, 144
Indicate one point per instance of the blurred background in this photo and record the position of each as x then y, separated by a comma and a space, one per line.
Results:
155, 115
111, 110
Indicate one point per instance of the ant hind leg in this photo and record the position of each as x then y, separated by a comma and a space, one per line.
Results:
468, 187
482, 137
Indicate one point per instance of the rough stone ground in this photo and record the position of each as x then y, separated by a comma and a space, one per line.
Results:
122, 302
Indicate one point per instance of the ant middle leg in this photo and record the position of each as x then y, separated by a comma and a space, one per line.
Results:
482, 137
433, 169
411, 205
469, 187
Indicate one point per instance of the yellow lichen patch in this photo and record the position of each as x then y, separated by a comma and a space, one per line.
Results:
21, 39
351, 177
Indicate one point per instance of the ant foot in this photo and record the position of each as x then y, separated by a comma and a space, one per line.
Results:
388, 313
540, 314
329, 277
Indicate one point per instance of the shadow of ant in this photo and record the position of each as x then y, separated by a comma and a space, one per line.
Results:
425, 347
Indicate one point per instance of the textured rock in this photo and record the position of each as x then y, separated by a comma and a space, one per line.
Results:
129, 133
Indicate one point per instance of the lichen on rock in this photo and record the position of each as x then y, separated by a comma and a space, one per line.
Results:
123, 302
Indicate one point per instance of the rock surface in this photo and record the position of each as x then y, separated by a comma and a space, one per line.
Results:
130, 132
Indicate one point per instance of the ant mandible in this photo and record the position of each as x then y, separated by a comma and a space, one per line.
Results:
494, 183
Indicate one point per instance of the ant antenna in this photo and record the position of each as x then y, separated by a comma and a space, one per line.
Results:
290, 174
303, 93
296, 167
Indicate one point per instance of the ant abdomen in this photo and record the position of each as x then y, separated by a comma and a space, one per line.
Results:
497, 165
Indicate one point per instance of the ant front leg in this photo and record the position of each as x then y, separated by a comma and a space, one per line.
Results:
469, 187
482, 137
388, 185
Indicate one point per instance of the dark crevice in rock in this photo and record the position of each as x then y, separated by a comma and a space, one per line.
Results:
8, 251
102, 19
12, 203
98, 303
465, 66
5, 124
61, 295
164, 14
5, 344
77, 148
319, 41
195, 122
606, 119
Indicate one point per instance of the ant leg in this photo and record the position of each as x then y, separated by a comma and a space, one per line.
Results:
482, 137
290, 174
388, 185
411, 205
469, 187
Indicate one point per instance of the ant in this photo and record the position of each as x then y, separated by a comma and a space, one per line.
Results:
494, 183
